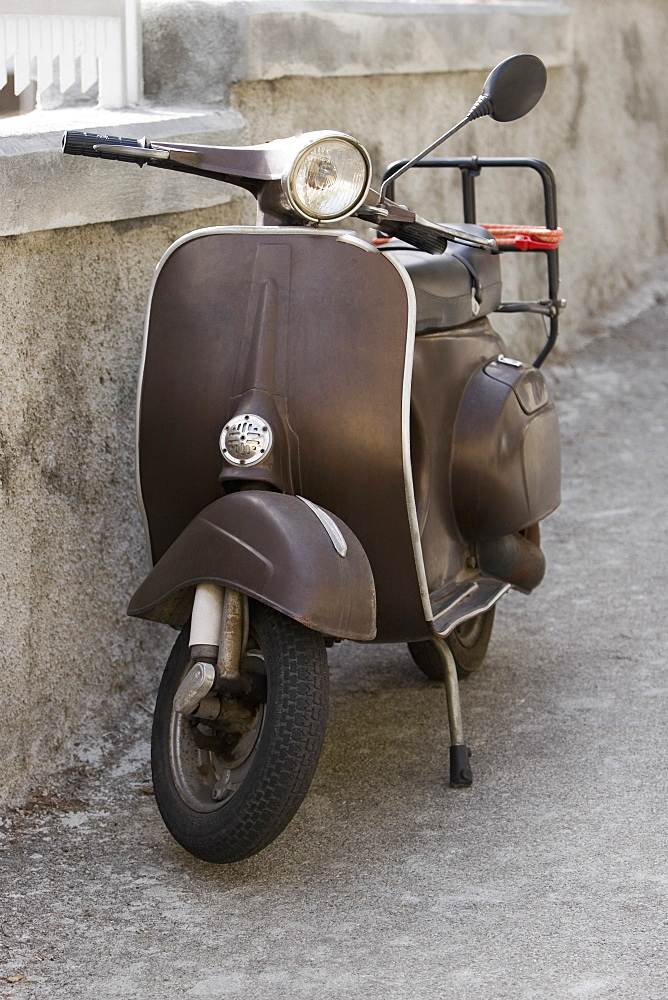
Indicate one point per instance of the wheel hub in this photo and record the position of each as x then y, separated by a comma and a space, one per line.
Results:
209, 760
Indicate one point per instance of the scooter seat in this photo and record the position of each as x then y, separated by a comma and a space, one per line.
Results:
452, 288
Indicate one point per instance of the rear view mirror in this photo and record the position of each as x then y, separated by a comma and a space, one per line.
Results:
514, 87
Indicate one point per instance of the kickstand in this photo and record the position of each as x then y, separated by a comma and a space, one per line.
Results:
461, 775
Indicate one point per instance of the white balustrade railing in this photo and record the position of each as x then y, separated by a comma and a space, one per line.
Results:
93, 41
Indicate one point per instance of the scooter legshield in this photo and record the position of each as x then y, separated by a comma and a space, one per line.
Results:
311, 331
274, 548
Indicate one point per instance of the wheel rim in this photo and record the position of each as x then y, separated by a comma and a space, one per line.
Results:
207, 779
469, 632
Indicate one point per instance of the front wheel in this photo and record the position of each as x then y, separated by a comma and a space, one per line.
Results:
227, 788
468, 644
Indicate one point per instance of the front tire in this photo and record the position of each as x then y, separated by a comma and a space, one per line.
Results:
468, 644
224, 795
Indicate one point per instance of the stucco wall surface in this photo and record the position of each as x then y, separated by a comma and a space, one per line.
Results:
72, 303
602, 126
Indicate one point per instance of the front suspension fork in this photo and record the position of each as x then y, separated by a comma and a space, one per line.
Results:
218, 637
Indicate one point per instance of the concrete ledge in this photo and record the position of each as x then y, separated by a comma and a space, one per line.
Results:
365, 39
195, 52
42, 189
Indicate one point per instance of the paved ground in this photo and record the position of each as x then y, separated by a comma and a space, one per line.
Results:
547, 880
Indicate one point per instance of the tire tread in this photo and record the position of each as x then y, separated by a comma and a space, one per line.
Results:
286, 756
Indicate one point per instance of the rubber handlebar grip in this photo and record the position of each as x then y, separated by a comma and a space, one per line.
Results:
82, 143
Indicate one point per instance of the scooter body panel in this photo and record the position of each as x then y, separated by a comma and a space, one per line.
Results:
485, 450
271, 547
443, 365
507, 448
313, 331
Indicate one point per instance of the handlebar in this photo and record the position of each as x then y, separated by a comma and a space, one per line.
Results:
111, 147
251, 170
84, 143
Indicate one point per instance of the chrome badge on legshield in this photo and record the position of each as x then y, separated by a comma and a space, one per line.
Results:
246, 440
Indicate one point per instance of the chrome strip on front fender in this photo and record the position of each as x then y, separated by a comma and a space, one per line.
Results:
330, 526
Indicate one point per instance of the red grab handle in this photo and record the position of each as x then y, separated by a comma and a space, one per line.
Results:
525, 237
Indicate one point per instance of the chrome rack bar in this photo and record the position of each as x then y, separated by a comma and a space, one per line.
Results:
470, 168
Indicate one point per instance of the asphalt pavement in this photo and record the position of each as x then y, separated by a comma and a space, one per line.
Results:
547, 880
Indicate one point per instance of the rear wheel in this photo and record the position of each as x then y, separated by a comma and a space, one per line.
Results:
227, 788
468, 643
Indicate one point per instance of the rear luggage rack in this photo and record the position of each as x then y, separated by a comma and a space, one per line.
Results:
512, 239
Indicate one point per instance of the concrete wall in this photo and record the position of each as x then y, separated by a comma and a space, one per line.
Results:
72, 299
72, 304
602, 126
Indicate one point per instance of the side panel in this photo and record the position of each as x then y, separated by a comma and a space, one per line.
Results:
332, 317
444, 363
506, 467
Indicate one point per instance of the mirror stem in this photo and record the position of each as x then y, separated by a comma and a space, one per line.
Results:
420, 156
482, 107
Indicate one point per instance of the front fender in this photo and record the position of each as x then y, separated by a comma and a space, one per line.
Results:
272, 547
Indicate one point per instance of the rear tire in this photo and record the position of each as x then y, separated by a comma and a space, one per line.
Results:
229, 799
468, 644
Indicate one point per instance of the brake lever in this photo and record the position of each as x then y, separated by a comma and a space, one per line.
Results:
396, 220
141, 154
459, 236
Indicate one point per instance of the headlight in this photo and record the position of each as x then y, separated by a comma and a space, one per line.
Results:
328, 179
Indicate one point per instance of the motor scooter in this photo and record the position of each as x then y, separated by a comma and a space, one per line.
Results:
332, 443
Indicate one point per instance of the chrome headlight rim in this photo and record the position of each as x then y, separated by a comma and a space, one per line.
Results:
314, 139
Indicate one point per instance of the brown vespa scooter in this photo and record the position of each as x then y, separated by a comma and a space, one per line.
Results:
384, 464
